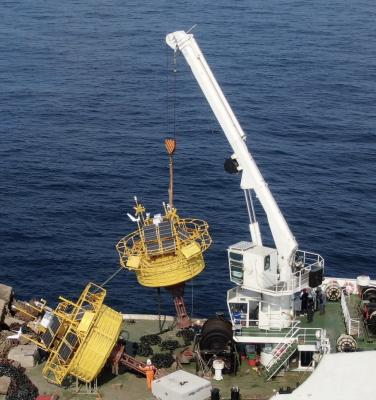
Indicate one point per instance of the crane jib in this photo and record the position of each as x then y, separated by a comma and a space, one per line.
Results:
285, 242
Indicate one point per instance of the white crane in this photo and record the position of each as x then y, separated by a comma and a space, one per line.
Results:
265, 270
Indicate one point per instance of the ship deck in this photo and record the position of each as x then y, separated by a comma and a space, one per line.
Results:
128, 385
332, 321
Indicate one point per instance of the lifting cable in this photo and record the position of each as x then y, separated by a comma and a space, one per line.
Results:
174, 70
171, 91
161, 324
167, 87
192, 298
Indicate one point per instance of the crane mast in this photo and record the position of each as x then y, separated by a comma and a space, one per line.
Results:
252, 179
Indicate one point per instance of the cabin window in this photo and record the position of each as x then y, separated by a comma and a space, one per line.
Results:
236, 267
267, 263
236, 256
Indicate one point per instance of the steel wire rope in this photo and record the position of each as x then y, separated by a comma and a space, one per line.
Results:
167, 88
160, 323
192, 298
171, 97
108, 280
111, 277
174, 70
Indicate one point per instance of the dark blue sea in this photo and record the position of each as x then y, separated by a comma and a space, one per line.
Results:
87, 98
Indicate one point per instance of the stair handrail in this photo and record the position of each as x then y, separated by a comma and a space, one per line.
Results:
283, 345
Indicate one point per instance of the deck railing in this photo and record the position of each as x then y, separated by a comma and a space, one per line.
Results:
300, 278
289, 343
352, 324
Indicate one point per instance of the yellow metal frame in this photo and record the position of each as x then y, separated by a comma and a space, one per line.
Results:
97, 328
163, 267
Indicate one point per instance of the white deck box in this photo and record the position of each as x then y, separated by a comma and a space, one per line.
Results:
181, 385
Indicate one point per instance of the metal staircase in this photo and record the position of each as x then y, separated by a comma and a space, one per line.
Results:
182, 316
282, 353
289, 344
118, 356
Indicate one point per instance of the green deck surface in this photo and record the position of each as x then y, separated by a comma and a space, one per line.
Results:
130, 386
332, 321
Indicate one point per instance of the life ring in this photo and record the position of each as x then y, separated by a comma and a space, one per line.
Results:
349, 288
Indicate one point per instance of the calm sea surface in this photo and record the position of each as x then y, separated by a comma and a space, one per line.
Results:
86, 99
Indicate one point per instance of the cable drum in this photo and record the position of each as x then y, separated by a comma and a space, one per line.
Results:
216, 334
371, 322
369, 294
333, 291
346, 344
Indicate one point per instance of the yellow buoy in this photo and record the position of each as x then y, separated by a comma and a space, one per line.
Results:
165, 250
78, 335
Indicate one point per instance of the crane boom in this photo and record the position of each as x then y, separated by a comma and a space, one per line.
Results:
284, 240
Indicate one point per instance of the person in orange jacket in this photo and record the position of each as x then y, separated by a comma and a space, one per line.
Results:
150, 372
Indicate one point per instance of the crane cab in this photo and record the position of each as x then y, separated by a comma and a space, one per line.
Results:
253, 266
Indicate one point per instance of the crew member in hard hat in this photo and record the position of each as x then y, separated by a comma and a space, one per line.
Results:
150, 372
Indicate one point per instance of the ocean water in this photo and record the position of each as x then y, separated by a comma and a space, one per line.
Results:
87, 97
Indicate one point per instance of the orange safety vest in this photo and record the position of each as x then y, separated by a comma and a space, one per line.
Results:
149, 370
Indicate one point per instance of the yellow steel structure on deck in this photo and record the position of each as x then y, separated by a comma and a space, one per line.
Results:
79, 336
165, 250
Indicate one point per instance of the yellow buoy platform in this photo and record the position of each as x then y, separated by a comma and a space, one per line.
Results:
165, 249
78, 335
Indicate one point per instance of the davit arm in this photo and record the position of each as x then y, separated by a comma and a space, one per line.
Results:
251, 176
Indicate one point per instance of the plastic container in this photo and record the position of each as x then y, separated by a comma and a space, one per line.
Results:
252, 363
